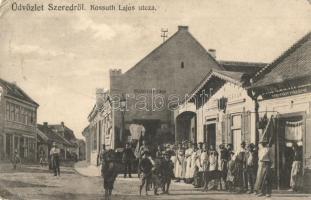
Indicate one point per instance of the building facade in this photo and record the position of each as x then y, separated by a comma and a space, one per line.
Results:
219, 111
18, 119
100, 129
282, 89
156, 85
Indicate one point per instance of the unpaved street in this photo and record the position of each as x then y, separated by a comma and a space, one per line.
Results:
33, 182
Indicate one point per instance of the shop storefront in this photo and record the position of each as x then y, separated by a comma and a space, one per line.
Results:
283, 89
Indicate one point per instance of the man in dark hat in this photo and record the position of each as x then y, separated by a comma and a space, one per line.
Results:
224, 157
241, 178
264, 179
127, 159
167, 173
251, 166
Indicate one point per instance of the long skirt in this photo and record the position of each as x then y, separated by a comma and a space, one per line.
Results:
184, 168
179, 168
263, 176
188, 173
296, 175
259, 177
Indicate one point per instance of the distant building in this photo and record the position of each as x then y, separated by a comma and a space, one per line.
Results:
18, 119
88, 143
62, 136
81, 151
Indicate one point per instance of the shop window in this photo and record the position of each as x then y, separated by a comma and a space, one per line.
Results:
182, 65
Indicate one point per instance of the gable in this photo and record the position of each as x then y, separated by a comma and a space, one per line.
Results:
13, 90
176, 66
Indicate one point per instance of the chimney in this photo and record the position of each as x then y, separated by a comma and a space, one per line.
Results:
62, 123
45, 124
182, 28
212, 52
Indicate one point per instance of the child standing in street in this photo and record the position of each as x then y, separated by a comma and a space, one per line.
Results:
146, 169
167, 173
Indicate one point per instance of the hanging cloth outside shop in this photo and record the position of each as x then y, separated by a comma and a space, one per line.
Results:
269, 132
137, 131
293, 131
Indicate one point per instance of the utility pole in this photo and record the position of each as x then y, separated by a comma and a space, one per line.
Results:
164, 34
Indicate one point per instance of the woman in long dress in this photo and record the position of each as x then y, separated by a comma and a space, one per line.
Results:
193, 165
296, 172
204, 165
180, 156
188, 155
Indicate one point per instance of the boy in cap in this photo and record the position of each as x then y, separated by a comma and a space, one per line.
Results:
146, 168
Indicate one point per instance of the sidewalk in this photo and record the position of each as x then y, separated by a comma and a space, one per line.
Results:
83, 168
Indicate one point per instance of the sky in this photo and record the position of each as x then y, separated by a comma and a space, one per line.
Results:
59, 58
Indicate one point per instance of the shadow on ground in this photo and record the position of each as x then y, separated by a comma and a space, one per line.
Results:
20, 184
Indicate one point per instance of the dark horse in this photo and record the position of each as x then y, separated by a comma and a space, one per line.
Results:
110, 169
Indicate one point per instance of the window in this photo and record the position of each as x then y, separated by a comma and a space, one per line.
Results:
12, 115
94, 130
236, 132
7, 117
17, 109
34, 118
22, 115
182, 65
26, 116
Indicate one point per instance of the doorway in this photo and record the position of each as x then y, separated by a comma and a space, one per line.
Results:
210, 134
291, 131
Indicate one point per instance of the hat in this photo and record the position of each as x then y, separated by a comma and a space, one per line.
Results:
251, 145
147, 153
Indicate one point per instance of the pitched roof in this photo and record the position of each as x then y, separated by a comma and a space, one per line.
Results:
68, 133
48, 135
233, 77
16, 92
245, 67
176, 66
182, 35
293, 64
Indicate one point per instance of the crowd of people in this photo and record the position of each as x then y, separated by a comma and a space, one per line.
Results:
246, 170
